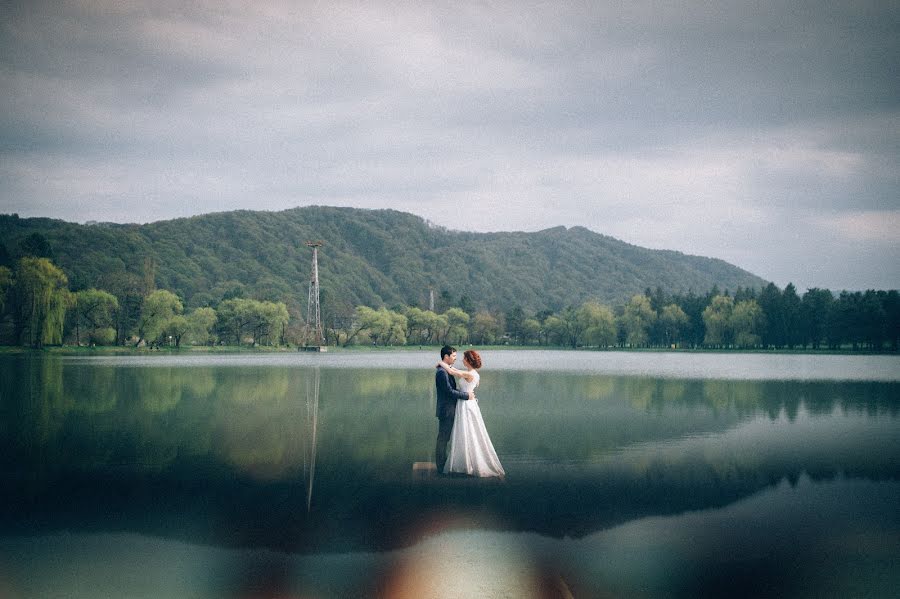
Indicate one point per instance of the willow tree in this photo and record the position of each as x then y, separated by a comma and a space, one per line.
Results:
423, 325
95, 315
637, 319
158, 309
457, 326
747, 320
382, 326
485, 328
200, 325
717, 319
271, 320
234, 319
673, 321
597, 323
177, 327
41, 298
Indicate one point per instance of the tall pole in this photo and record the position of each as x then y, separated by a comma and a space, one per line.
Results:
313, 315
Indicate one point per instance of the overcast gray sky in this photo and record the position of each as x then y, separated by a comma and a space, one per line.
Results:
763, 133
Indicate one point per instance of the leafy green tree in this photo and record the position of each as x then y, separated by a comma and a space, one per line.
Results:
6, 258
745, 322
555, 331
398, 328
364, 319
515, 318
36, 246
457, 326
597, 324
201, 323
258, 322
176, 328
466, 305
229, 289
159, 307
128, 288
415, 322
381, 327
568, 329
657, 298
441, 326
423, 325
658, 301
270, 319
637, 319
235, 317
673, 321
445, 300
717, 319
103, 336
6, 281
41, 299
485, 328
531, 331
95, 314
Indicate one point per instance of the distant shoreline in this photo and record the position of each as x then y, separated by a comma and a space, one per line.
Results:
106, 350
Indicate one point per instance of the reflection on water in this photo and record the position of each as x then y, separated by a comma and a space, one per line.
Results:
609, 476
807, 539
309, 434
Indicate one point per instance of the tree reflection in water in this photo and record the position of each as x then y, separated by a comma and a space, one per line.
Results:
231, 455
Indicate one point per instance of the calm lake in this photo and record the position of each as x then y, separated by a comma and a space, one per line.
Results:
291, 475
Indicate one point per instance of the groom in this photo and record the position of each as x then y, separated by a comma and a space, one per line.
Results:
447, 396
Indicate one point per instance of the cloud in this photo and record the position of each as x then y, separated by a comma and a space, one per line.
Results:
878, 226
752, 132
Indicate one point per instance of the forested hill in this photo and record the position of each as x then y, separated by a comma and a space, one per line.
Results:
370, 257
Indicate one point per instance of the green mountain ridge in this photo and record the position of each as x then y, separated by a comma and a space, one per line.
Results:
370, 257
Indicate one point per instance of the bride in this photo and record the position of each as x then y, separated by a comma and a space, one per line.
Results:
471, 450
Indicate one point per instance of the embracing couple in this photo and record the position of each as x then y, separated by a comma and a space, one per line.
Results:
459, 419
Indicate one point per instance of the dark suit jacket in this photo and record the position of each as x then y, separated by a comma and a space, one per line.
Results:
447, 394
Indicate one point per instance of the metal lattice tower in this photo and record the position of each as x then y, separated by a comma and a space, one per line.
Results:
314, 334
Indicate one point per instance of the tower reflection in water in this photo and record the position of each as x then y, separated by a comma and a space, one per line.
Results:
310, 433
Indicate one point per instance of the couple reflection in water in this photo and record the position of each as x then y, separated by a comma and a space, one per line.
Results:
460, 424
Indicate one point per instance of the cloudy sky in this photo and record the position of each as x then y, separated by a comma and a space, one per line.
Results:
763, 133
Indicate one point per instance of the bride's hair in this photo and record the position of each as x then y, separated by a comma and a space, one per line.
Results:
473, 357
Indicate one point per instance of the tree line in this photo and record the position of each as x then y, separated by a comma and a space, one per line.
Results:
769, 318
38, 309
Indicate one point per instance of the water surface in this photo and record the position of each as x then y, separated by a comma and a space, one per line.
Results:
632, 474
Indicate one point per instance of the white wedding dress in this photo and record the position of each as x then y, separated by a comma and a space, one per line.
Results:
471, 451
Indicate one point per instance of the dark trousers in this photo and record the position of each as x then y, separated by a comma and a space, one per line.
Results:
445, 427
